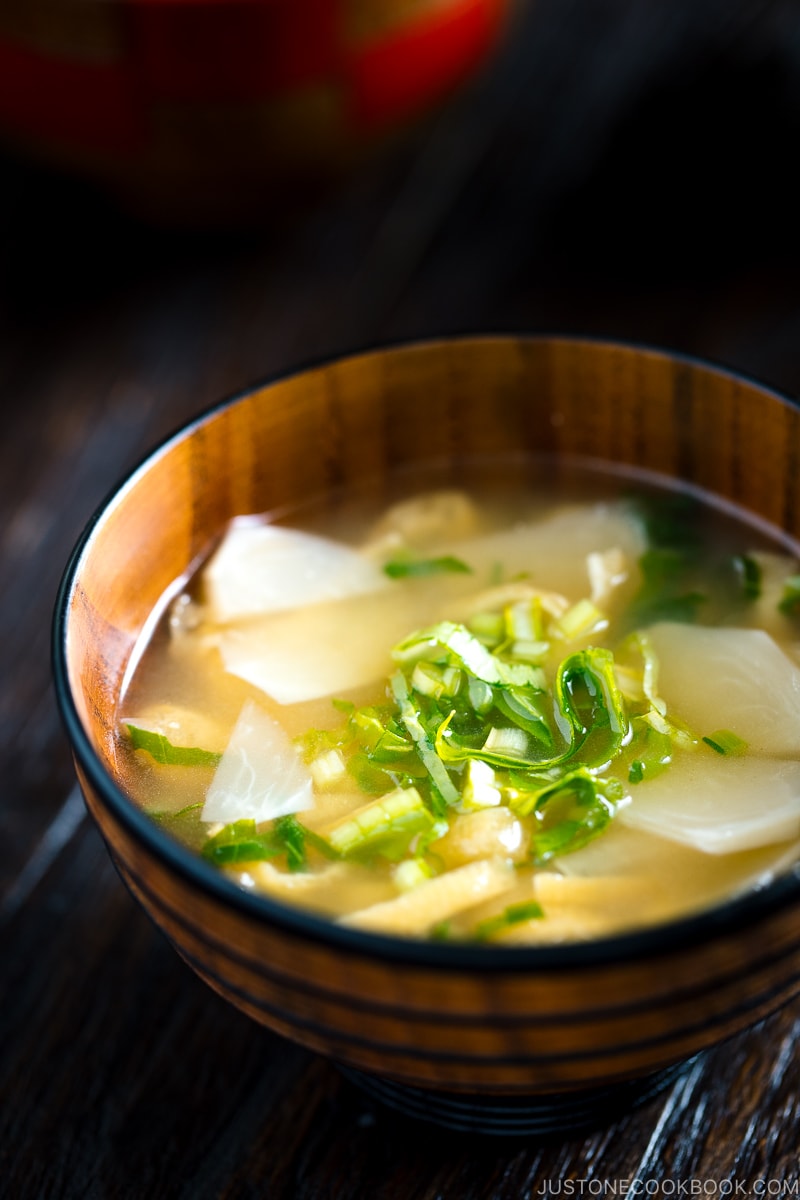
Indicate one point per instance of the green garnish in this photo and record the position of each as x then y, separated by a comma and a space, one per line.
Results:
458, 707
526, 910
445, 791
726, 742
591, 703
790, 600
589, 714
568, 812
162, 750
416, 568
665, 594
242, 841
454, 645
655, 754
295, 838
749, 574
386, 827
671, 520
163, 814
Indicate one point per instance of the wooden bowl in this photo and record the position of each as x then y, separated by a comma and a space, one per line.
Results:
497, 1039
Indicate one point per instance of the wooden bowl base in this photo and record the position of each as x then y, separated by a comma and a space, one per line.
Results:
558, 1113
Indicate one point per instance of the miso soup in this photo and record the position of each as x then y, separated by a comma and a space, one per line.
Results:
537, 703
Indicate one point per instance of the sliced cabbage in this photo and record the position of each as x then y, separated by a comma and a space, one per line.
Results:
736, 679
260, 775
553, 551
719, 805
688, 876
261, 568
607, 571
417, 523
325, 648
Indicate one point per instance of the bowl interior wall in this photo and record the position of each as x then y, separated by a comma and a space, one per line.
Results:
360, 419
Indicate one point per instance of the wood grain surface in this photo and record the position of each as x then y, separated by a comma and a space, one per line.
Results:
121, 1074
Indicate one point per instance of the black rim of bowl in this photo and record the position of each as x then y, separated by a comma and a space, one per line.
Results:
650, 941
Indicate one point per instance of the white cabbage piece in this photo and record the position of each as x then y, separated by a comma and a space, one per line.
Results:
717, 804
736, 679
607, 571
261, 568
325, 648
260, 775
553, 551
423, 520
681, 876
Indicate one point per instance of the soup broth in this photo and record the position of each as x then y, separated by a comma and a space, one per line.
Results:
548, 704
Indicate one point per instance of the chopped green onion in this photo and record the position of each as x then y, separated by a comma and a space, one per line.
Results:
513, 741
487, 627
385, 826
240, 842
655, 754
442, 783
749, 574
678, 733
524, 620
530, 651
163, 814
661, 597
726, 742
526, 910
327, 769
480, 790
450, 750
790, 600
162, 750
671, 520
376, 779
569, 812
404, 568
591, 705
583, 618
432, 680
641, 643
411, 873
522, 706
481, 696
295, 838
455, 645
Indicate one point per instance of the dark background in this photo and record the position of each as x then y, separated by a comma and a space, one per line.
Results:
622, 169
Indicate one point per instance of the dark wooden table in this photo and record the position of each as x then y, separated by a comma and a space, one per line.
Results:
636, 182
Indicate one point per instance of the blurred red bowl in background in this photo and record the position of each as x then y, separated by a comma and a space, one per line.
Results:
199, 108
